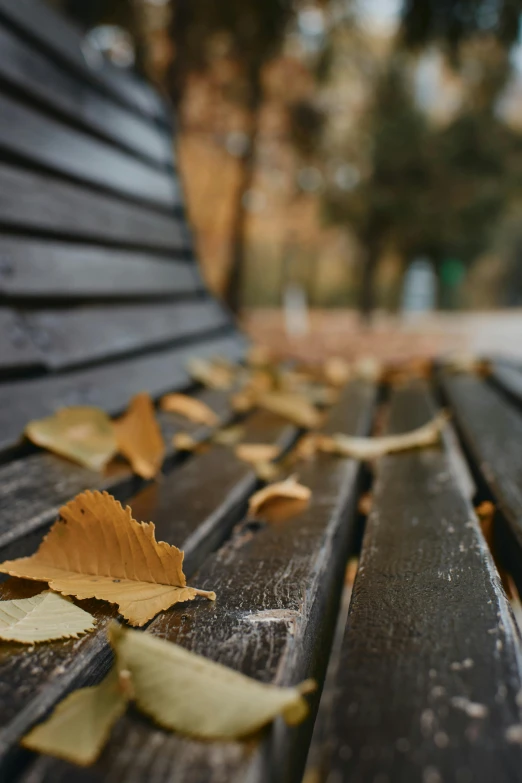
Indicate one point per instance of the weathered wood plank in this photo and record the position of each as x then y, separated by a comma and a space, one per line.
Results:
32, 680
51, 32
44, 141
25, 68
430, 666
67, 338
17, 349
38, 202
508, 376
108, 386
278, 591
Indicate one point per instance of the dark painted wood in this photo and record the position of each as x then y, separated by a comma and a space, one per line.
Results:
17, 349
430, 666
34, 202
26, 69
108, 386
43, 140
508, 376
57, 37
66, 338
32, 680
277, 595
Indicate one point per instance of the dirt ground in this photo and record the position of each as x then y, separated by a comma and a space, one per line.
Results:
339, 332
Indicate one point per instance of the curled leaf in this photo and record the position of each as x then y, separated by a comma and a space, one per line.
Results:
139, 437
279, 501
371, 448
193, 695
293, 407
82, 433
190, 408
80, 725
213, 374
97, 550
182, 441
257, 452
41, 618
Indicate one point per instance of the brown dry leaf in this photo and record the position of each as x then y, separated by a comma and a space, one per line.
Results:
243, 401
279, 501
82, 433
186, 692
42, 618
371, 448
80, 725
293, 407
368, 368
268, 471
212, 374
228, 436
259, 356
257, 452
364, 506
182, 441
464, 362
337, 371
192, 409
97, 550
139, 437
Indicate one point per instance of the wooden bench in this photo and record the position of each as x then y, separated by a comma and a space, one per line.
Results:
101, 298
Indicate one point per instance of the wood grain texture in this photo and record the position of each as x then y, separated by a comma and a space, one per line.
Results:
55, 36
43, 140
508, 376
32, 680
108, 386
27, 69
17, 349
38, 202
72, 337
277, 589
430, 665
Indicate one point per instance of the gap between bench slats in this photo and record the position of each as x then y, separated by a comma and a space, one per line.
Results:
108, 386
508, 376
32, 201
41, 139
71, 337
26, 69
277, 597
54, 35
32, 680
430, 665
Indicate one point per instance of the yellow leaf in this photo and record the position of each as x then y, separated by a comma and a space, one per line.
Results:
97, 550
182, 441
193, 695
139, 437
279, 501
82, 434
257, 452
464, 362
293, 407
368, 368
228, 436
336, 371
41, 618
267, 471
259, 356
80, 725
214, 375
192, 409
243, 401
371, 448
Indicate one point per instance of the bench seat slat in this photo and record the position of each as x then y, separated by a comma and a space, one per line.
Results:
108, 386
430, 668
42, 140
31, 201
184, 515
277, 594
28, 70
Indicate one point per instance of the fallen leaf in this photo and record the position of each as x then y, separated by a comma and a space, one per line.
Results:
337, 371
267, 471
371, 448
279, 501
97, 550
293, 407
139, 437
80, 725
41, 618
364, 506
211, 374
228, 436
259, 356
191, 694
83, 434
368, 368
243, 401
182, 441
257, 452
464, 362
190, 408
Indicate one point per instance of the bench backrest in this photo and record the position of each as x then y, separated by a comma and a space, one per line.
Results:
100, 293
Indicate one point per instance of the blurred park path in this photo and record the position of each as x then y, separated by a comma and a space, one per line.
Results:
338, 332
